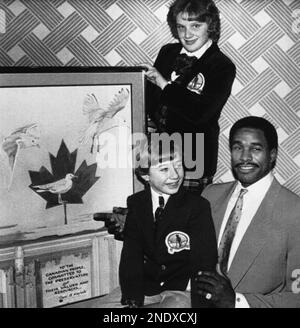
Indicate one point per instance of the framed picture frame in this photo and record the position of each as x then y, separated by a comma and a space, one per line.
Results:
66, 136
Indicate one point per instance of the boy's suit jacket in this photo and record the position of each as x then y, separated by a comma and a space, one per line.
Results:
189, 111
263, 266
147, 265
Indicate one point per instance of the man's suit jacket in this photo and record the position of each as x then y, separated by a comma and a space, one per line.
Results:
262, 268
189, 111
147, 265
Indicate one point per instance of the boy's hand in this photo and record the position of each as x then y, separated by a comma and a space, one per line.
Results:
132, 304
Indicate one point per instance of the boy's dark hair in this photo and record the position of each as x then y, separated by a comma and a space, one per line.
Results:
152, 151
199, 10
259, 123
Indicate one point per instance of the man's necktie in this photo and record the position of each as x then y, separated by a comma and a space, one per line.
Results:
183, 62
229, 232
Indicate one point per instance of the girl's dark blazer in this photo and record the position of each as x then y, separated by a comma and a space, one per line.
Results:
188, 111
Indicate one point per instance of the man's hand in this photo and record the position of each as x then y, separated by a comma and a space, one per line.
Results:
215, 288
115, 224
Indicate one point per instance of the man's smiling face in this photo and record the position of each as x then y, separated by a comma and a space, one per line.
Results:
251, 158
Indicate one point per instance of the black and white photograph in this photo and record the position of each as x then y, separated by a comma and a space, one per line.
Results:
149, 156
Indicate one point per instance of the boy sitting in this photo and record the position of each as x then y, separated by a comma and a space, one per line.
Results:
168, 235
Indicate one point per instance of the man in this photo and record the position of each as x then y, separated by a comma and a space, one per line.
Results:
191, 81
259, 261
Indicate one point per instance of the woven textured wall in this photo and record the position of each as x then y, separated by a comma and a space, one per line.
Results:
261, 37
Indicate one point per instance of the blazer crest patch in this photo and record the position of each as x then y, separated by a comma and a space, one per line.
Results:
197, 84
177, 241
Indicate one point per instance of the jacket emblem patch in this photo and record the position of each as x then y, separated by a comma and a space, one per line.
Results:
177, 241
197, 84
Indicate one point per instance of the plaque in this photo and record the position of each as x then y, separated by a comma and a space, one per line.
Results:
66, 280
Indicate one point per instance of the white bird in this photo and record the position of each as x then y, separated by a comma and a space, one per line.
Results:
22, 138
98, 116
58, 187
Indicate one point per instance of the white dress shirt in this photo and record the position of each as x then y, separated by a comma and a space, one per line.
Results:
155, 199
198, 53
251, 202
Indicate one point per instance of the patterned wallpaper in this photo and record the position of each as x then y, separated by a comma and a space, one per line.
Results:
261, 37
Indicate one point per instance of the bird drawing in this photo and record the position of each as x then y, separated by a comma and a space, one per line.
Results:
101, 119
58, 187
24, 137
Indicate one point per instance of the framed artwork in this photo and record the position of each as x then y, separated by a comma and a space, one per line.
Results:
65, 145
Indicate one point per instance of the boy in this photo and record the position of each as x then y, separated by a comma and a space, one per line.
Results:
168, 235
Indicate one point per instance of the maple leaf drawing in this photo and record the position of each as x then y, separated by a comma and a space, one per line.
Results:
63, 186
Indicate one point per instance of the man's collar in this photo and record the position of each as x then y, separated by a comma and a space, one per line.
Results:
262, 184
198, 53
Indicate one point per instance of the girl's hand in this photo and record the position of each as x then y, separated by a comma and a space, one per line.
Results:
154, 76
